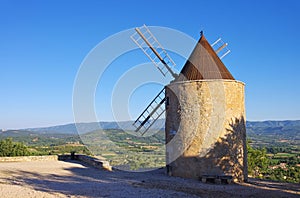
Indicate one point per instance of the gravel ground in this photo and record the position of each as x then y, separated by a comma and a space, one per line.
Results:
74, 179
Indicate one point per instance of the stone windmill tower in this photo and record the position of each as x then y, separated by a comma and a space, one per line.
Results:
205, 113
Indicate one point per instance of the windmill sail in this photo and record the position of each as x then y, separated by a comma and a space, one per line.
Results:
153, 50
153, 111
160, 58
220, 48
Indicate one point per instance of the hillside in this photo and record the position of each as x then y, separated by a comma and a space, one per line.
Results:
274, 133
92, 126
125, 150
290, 126
266, 133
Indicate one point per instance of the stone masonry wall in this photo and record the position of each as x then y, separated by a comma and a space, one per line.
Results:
205, 129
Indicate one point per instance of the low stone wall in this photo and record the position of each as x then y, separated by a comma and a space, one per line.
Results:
95, 162
92, 161
29, 158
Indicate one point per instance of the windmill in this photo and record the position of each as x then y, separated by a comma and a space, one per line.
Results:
205, 129
148, 43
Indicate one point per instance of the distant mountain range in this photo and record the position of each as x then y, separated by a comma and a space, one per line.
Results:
159, 124
92, 126
285, 123
261, 134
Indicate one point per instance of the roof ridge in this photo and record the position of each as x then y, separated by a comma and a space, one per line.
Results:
204, 63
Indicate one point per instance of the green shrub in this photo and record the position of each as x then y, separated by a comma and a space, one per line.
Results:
8, 148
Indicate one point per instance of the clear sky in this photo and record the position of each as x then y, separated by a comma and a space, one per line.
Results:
43, 43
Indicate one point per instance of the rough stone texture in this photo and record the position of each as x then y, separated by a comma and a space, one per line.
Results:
95, 162
205, 129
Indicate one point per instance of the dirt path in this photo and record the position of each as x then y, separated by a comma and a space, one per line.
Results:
73, 179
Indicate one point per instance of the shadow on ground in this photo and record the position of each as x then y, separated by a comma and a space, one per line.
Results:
87, 181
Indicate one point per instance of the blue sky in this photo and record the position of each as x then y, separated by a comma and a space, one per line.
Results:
43, 43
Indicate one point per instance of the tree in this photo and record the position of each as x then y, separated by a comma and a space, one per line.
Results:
8, 148
257, 161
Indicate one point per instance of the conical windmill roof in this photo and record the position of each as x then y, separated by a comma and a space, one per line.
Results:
203, 64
